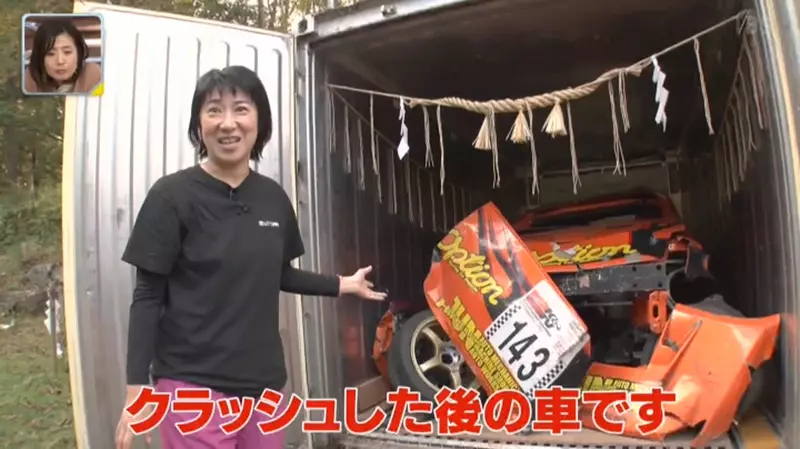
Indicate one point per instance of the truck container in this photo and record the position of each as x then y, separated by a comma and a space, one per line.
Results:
117, 145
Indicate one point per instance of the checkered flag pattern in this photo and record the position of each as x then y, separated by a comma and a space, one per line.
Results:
545, 381
503, 318
498, 324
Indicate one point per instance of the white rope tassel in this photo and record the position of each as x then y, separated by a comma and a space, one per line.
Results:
441, 150
576, 178
393, 183
495, 153
445, 221
623, 103
348, 164
701, 74
332, 121
619, 167
520, 131
554, 124
534, 158
362, 182
373, 139
754, 82
726, 166
428, 151
741, 134
746, 100
378, 174
731, 148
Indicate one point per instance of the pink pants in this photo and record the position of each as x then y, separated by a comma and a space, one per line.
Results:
212, 437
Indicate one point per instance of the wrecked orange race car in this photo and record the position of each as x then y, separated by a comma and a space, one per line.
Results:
640, 287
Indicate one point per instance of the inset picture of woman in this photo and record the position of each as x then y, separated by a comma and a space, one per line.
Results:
62, 54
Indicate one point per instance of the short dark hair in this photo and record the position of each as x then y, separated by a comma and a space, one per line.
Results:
43, 42
232, 78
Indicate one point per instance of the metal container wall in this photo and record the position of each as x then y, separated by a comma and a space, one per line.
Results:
115, 148
350, 225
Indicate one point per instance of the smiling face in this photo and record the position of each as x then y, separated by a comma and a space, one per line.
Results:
61, 62
229, 127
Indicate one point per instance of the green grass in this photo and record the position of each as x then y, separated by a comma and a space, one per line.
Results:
35, 404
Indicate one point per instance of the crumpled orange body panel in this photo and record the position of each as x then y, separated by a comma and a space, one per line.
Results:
602, 245
383, 339
482, 275
704, 359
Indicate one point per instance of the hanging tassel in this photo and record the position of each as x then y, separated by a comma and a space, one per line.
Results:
751, 143
332, 121
554, 124
445, 222
393, 183
495, 153
373, 137
754, 82
428, 152
576, 179
519, 132
730, 148
619, 156
362, 182
534, 158
706, 106
441, 150
741, 134
348, 164
484, 139
378, 172
758, 57
623, 103
726, 162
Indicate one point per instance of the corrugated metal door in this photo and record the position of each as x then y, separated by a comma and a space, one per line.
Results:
115, 148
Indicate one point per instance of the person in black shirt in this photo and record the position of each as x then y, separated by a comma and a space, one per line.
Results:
213, 246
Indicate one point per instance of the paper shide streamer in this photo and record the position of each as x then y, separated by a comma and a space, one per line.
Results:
662, 94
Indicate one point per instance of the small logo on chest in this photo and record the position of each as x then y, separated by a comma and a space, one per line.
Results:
269, 224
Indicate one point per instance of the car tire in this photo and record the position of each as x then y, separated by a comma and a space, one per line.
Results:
404, 368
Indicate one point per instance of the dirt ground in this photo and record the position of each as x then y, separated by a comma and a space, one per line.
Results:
35, 405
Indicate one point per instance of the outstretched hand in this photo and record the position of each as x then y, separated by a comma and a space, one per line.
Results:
357, 284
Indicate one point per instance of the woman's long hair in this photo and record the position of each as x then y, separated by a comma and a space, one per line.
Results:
43, 42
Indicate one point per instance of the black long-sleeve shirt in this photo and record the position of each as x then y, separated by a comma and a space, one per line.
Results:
211, 261
149, 299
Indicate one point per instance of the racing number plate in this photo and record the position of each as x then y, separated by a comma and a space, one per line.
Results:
537, 337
